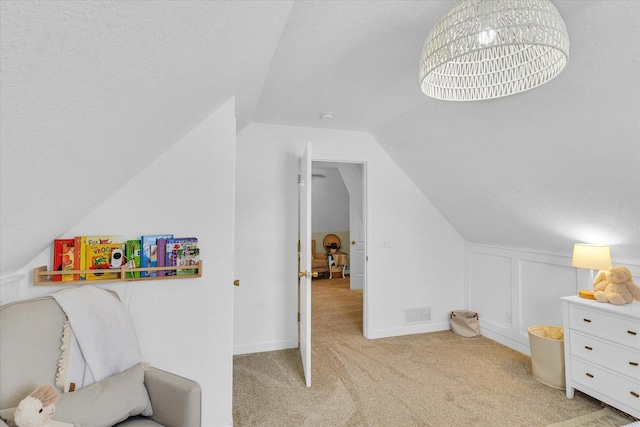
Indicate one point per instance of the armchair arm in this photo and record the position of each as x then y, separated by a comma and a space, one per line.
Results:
176, 401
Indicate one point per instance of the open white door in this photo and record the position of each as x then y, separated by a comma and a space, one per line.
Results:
304, 221
357, 255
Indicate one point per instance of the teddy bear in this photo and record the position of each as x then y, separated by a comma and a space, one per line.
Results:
616, 286
37, 409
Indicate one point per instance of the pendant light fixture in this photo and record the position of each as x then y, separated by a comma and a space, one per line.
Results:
483, 49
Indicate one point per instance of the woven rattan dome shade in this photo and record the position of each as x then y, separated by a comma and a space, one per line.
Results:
484, 49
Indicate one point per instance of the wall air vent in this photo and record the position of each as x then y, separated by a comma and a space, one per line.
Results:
414, 316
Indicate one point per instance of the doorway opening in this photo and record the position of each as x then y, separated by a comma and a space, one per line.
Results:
338, 208
353, 178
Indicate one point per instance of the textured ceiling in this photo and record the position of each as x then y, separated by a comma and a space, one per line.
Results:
88, 84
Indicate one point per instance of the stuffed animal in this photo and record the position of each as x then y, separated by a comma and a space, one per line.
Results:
616, 286
37, 409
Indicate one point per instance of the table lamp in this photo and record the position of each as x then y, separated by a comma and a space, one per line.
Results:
596, 257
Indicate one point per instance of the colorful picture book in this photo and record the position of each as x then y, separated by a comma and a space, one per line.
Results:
149, 254
63, 258
162, 243
185, 258
68, 254
80, 252
171, 252
98, 258
77, 255
132, 253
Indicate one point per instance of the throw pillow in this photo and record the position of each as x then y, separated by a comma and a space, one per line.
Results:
108, 401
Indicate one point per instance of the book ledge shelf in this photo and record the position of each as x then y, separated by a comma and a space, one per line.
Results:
42, 277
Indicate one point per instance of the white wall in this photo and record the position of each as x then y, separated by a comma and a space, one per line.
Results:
424, 265
524, 286
330, 204
184, 325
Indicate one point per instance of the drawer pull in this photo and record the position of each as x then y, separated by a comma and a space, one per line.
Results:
634, 394
588, 321
633, 363
588, 348
589, 375
632, 333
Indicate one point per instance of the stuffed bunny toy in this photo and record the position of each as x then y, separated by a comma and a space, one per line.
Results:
616, 286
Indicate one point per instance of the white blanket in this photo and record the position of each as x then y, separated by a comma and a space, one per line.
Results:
103, 342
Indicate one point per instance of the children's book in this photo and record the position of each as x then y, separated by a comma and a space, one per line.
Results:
61, 246
101, 240
171, 248
98, 258
68, 250
149, 254
78, 262
80, 247
161, 243
185, 258
132, 252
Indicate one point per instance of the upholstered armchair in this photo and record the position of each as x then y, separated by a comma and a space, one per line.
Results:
318, 260
322, 263
32, 343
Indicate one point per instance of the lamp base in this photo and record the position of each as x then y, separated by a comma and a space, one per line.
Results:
586, 294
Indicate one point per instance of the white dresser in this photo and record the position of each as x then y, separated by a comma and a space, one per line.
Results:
602, 351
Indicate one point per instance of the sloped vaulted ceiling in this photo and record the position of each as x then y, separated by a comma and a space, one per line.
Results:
118, 82
95, 84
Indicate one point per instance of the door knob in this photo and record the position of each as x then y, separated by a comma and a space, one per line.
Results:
304, 274
353, 242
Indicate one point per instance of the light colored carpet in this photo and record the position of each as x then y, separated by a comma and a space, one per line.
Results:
606, 417
437, 379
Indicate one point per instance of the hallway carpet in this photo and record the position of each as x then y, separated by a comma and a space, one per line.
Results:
435, 379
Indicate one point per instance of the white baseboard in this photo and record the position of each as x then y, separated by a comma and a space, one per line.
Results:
409, 330
265, 346
506, 341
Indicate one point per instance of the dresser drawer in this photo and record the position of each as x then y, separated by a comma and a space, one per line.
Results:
618, 387
604, 325
602, 353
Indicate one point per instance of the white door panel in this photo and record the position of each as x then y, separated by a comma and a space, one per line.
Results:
304, 221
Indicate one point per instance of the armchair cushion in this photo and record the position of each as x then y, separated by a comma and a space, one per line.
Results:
318, 263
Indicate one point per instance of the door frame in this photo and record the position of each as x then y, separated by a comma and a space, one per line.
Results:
366, 315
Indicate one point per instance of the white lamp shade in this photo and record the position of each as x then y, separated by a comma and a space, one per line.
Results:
484, 49
594, 257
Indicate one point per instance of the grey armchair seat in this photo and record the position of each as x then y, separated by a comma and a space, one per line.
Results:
30, 337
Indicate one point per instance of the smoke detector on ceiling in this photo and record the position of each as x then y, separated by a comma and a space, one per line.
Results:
326, 116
